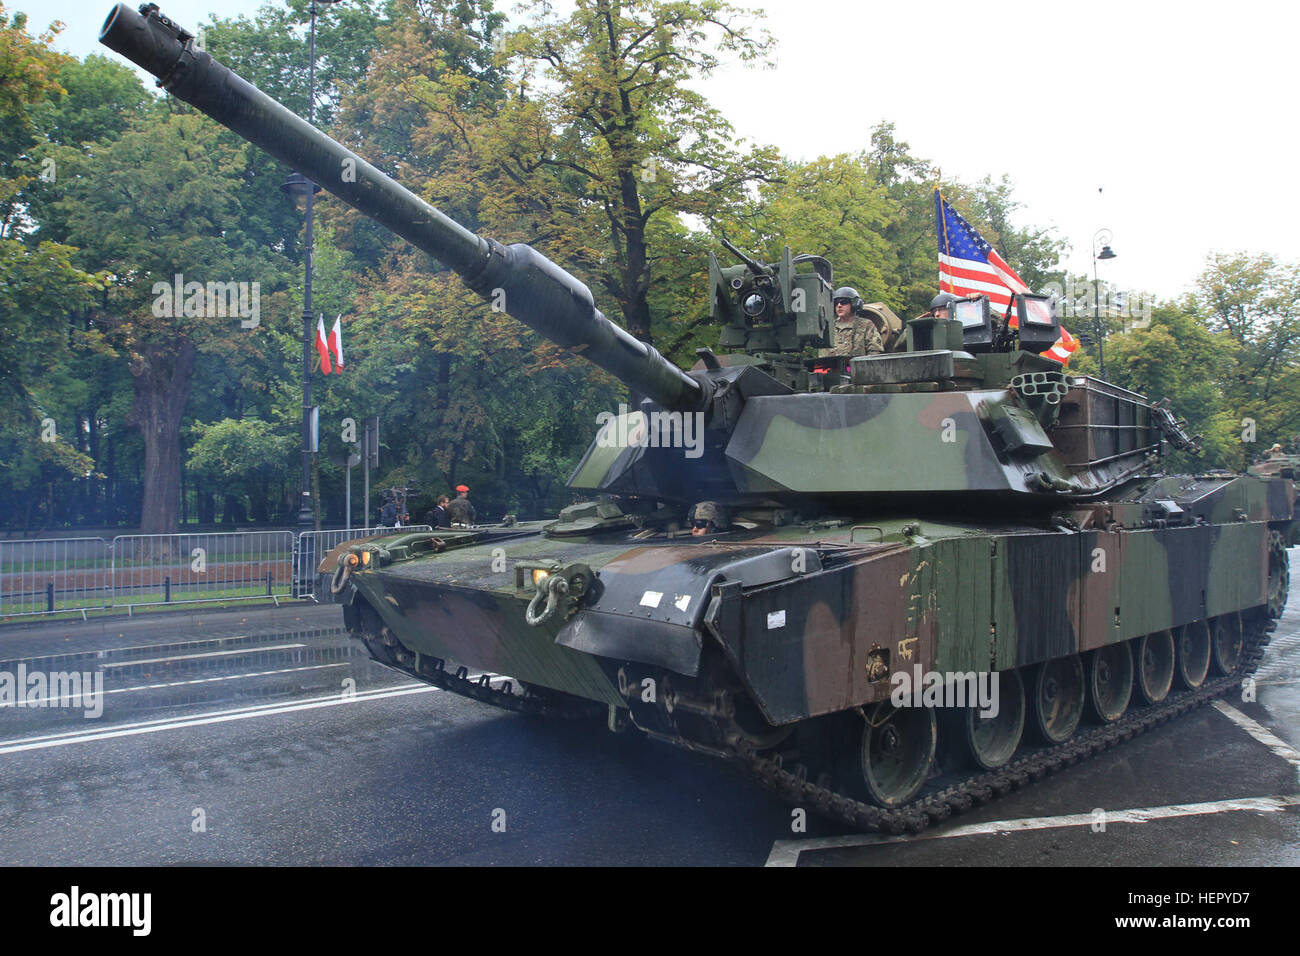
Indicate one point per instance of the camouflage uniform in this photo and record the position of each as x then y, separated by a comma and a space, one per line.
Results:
461, 511
860, 338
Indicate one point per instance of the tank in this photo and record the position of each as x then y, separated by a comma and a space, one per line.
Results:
887, 586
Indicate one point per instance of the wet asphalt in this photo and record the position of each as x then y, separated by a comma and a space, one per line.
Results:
266, 736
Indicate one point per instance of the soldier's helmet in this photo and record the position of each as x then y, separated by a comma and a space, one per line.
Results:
847, 294
943, 300
707, 517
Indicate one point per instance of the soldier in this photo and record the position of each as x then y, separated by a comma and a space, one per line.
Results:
460, 511
708, 517
854, 334
941, 305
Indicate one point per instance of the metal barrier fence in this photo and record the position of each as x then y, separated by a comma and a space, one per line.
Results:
50, 575
55, 574
189, 568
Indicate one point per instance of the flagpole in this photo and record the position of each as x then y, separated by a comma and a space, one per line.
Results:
943, 221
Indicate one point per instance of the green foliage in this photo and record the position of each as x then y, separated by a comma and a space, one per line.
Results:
621, 126
1178, 358
1253, 304
162, 200
43, 296
28, 75
101, 98
830, 207
39, 405
241, 456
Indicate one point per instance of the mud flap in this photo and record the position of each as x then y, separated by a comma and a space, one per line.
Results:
671, 646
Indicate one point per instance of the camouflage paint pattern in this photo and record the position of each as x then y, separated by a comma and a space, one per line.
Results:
799, 615
986, 440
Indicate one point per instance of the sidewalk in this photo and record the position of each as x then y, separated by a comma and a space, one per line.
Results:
36, 637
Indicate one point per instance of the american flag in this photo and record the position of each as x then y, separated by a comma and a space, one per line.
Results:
968, 265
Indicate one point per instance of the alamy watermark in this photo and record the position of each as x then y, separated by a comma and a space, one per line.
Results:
128, 910
26, 688
211, 300
657, 430
946, 689
1078, 300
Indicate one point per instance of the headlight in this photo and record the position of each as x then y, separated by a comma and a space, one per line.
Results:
754, 304
540, 575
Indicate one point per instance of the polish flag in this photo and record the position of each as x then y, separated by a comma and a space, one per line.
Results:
336, 343
322, 346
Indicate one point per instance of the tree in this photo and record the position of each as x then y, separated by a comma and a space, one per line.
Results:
39, 288
1254, 303
1031, 251
832, 207
160, 201
626, 131
1179, 358
242, 458
28, 71
97, 100
480, 398
909, 234
272, 52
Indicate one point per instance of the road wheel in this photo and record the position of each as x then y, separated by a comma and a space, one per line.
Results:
1192, 663
1110, 681
896, 752
1056, 698
1154, 666
1226, 642
988, 743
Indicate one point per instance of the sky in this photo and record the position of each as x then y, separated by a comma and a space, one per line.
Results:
1169, 124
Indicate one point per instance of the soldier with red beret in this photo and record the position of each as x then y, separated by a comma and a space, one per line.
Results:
460, 510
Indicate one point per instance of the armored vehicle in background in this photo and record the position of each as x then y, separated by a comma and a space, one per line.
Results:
888, 586
1277, 464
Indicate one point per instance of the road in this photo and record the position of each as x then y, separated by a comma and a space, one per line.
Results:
267, 736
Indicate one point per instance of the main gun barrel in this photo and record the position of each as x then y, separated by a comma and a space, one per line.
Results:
517, 278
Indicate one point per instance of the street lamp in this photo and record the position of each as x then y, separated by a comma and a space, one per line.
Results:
1105, 253
298, 186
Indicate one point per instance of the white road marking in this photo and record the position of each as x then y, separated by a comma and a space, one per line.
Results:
186, 683
134, 647
786, 852
195, 657
199, 720
1260, 733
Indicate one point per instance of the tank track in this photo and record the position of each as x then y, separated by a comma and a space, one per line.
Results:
433, 670
793, 786
979, 789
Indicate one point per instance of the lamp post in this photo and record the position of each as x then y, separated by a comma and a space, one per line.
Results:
299, 186
1105, 253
